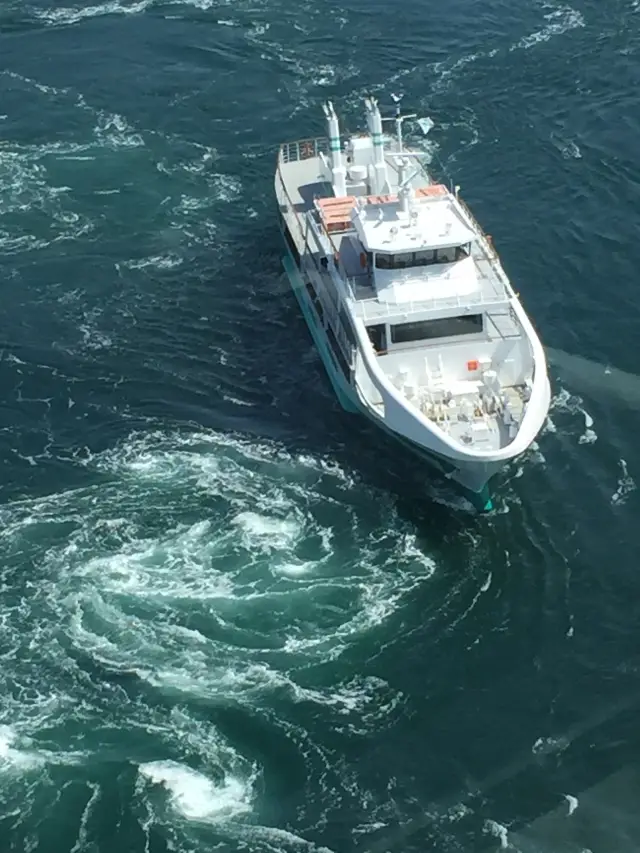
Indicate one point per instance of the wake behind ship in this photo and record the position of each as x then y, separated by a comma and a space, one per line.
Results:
407, 302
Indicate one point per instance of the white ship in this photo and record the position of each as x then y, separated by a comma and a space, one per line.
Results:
407, 302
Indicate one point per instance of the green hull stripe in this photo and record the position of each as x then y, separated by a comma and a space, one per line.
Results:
342, 388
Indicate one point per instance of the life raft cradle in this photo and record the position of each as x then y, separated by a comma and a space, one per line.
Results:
336, 211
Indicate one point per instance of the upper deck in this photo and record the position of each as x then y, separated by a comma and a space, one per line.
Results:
350, 233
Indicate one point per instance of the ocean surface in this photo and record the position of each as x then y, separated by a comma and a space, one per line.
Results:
231, 617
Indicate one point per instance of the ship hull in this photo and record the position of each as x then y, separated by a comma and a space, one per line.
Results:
472, 480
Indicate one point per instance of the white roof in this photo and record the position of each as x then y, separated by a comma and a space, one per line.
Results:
435, 224
458, 281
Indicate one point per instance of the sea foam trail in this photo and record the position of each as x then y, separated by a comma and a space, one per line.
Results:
202, 568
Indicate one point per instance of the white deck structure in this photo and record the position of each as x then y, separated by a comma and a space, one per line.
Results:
408, 303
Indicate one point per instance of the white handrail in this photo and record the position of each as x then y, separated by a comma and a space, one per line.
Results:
395, 403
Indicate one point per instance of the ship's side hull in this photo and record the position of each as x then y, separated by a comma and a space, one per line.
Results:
348, 398
343, 389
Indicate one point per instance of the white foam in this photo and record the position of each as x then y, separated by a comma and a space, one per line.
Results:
589, 435
278, 840
147, 568
196, 796
565, 402
197, 566
82, 842
626, 485
559, 21
114, 131
65, 16
445, 71
268, 532
236, 401
499, 831
12, 756
161, 262
27, 183
573, 803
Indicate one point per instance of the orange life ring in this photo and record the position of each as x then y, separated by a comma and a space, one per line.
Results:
363, 260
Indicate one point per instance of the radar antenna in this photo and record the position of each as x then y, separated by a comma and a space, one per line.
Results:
425, 124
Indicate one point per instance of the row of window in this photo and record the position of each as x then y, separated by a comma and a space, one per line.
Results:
345, 323
423, 258
337, 351
315, 301
425, 330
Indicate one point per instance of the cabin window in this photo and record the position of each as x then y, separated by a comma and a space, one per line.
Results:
403, 260
337, 352
446, 327
378, 337
447, 256
330, 289
424, 257
316, 301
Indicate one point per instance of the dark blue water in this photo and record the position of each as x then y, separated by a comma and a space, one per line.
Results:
230, 617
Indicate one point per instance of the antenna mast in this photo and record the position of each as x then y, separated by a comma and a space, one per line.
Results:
399, 118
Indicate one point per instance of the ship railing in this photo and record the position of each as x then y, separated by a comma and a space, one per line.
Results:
304, 149
486, 239
513, 328
290, 205
335, 317
405, 419
320, 236
486, 244
372, 310
498, 311
361, 286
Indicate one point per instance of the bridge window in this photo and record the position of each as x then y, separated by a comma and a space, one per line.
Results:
425, 257
446, 327
446, 256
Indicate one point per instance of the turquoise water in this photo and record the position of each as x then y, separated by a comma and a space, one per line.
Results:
232, 616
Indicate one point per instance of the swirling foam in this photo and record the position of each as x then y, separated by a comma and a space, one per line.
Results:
175, 572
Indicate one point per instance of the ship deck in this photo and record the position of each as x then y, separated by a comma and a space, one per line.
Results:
303, 184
